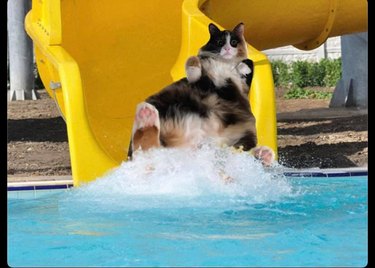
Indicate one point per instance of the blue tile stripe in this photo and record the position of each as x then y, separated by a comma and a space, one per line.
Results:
39, 187
21, 188
52, 187
359, 173
325, 175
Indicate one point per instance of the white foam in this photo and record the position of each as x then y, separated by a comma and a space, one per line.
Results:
184, 178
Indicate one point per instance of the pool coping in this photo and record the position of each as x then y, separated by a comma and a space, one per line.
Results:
328, 173
64, 182
39, 183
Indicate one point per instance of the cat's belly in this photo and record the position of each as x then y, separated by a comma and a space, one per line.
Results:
192, 130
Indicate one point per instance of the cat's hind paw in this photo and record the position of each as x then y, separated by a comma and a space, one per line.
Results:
146, 128
146, 116
265, 154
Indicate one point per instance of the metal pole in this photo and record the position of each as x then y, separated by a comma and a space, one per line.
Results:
20, 52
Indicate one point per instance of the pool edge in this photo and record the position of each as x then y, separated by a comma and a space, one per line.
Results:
65, 182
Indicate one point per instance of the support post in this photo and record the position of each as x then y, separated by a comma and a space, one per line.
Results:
20, 47
322, 51
352, 89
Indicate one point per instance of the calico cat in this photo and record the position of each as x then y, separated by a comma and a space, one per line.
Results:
211, 102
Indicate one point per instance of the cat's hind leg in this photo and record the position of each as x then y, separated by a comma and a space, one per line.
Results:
146, 128
265, 154
193, 69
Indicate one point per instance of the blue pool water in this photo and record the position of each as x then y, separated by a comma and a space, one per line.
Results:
182, 213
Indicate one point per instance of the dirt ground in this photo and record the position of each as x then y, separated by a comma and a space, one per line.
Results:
38, 143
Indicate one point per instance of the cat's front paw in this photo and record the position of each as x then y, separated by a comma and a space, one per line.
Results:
193, 69
265, 154
246, 70
243, 69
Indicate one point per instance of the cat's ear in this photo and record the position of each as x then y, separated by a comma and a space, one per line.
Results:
239, 29
213, 29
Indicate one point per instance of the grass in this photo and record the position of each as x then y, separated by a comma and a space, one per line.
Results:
306, 93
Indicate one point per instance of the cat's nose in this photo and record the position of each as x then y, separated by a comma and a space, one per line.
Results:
227, 48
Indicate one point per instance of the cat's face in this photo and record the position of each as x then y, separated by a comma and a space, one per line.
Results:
228, 44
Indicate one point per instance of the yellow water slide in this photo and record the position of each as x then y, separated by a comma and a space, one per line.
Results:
98, 59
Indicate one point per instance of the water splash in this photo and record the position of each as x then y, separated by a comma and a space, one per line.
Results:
170, 177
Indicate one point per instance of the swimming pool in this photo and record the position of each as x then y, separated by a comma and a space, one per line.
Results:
274, 221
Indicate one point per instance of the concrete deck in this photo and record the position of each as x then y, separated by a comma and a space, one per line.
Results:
321, 113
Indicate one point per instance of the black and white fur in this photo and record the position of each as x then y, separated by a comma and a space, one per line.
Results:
211, 102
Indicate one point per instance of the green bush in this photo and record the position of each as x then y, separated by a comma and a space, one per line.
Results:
280, 72
324, 73
332, 71
315, 74
300, 73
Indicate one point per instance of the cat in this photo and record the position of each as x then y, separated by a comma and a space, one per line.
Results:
224, 51
211, 102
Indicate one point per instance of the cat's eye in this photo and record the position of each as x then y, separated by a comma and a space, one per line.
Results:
233, 42
220, 43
